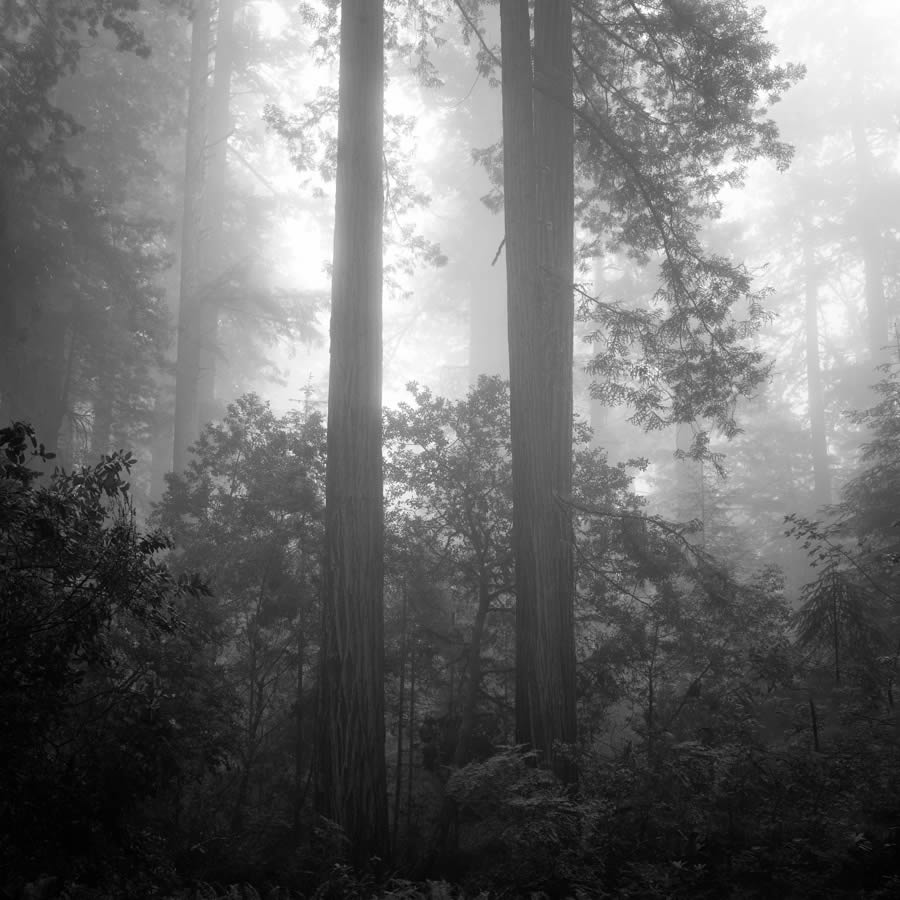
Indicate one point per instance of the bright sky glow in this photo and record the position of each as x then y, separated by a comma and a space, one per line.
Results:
306, 238
272, 17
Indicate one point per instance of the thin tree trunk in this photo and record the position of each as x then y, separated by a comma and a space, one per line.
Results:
836, 632
298, 732
651, 697
254, 717
187, 371
814, 721
101, 429
104, 399
411, 757
473, 673
352, 778
8, 301
538, 191
160, 442
814, 392
398, 782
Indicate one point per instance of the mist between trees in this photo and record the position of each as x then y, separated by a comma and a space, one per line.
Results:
450, 449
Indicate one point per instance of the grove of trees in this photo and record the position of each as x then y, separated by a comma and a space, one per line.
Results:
617, 619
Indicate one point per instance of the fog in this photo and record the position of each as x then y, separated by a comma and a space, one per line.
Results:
168, 193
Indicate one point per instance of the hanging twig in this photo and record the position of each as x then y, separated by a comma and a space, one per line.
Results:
499, 251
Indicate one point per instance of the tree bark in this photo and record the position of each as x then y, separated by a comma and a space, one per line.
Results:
352, 779
411, 753
538, 191
101, 428
869, 230
299, 793
814, 391
473, 672
7, 299
214, 263
398, 779
187, 364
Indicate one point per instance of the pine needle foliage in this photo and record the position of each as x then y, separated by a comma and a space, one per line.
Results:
840, 620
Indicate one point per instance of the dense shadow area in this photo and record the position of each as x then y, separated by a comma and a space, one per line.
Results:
159, 685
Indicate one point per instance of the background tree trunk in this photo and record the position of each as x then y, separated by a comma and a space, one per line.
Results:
814, 391
214, 262
869, 232
398, 779
352, 778
472, 686
187, 364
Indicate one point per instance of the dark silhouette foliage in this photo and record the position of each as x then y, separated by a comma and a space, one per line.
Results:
108, 702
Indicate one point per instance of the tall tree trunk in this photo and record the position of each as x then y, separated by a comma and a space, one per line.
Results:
538, 191
473, 673
352, 778
299, 792
187, 364
160, 440
869, 229
7, 299
163, 416
814, 392
555, 134
106, 388
102, 425
214, 262
398, 780
411, 752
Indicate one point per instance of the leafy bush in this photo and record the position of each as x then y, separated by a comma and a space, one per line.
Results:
96, 671
246, 514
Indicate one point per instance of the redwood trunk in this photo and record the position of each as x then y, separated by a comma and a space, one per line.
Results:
538, 191
187, 365
214, 262
473, 672
352, 787
814, 390
869, 231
